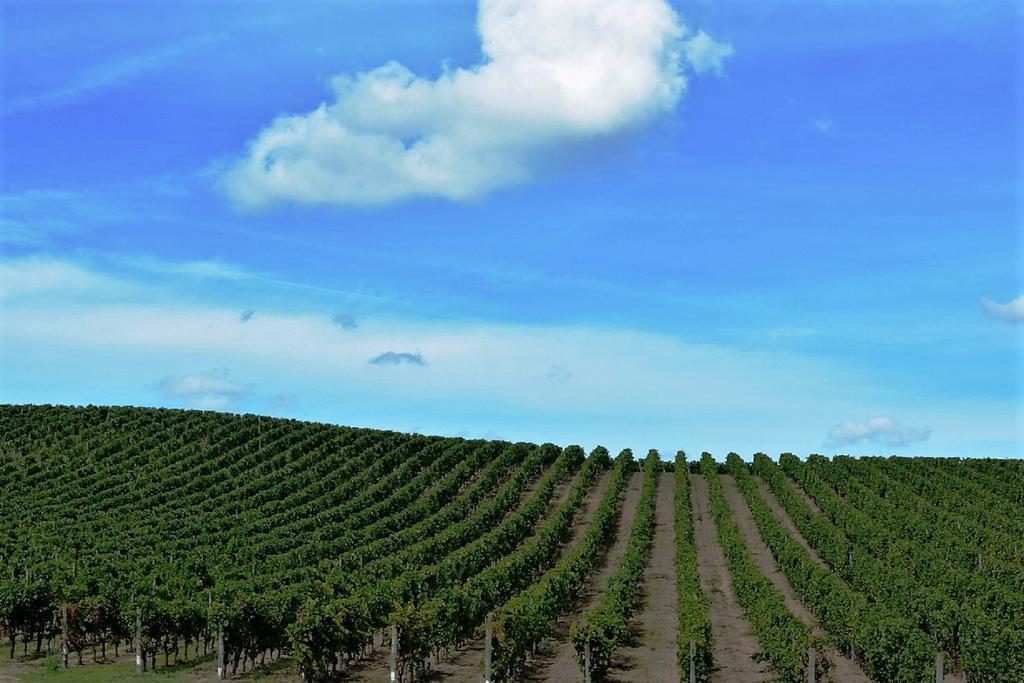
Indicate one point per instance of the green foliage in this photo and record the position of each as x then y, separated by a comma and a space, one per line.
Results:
307, 538
606, 627
889, 646
901, 550
692, 607
52, 664
527, 617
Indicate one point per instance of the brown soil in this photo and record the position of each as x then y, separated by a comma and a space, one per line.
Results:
555, 661
734, 642
845, 670
787, 523
653, 657
798, 490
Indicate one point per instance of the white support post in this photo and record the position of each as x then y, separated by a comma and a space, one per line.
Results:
693, 662
65, 646
812, 664
586, 662
488, 635
221, 669
140, 661
393, 660
939, 665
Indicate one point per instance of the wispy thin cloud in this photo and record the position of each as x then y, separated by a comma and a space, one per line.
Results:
39, 275
32, 217
123, 69
211, 269
398, 358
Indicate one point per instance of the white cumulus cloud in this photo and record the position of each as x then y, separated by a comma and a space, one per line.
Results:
554, 73
1011, 312
880, 430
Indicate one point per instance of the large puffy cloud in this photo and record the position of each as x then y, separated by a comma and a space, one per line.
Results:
880, 430
554, 73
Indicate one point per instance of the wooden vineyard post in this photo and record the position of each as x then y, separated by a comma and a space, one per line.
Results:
812, 664
939, 665
488, 635
586, 662
221, 670
393, 660
693, 662
140, 661
64, 645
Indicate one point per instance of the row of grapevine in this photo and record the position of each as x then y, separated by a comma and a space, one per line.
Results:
692, 607
602, 630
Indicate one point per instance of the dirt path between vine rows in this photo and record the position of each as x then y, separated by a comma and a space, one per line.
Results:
846, 670
734, 642
653, 656
799, 490
787, 522
554, 661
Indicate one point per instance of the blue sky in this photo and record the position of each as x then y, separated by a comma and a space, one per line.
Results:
783, 226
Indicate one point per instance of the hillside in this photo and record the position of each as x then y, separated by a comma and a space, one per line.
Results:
172, 539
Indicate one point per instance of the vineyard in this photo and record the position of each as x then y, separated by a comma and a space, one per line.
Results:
202, 546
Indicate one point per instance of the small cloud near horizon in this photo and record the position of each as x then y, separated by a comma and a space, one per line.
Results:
397, 358
880, 430
283, 401
558, 373
344, 321
211, 390
1010, 312
824, 124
